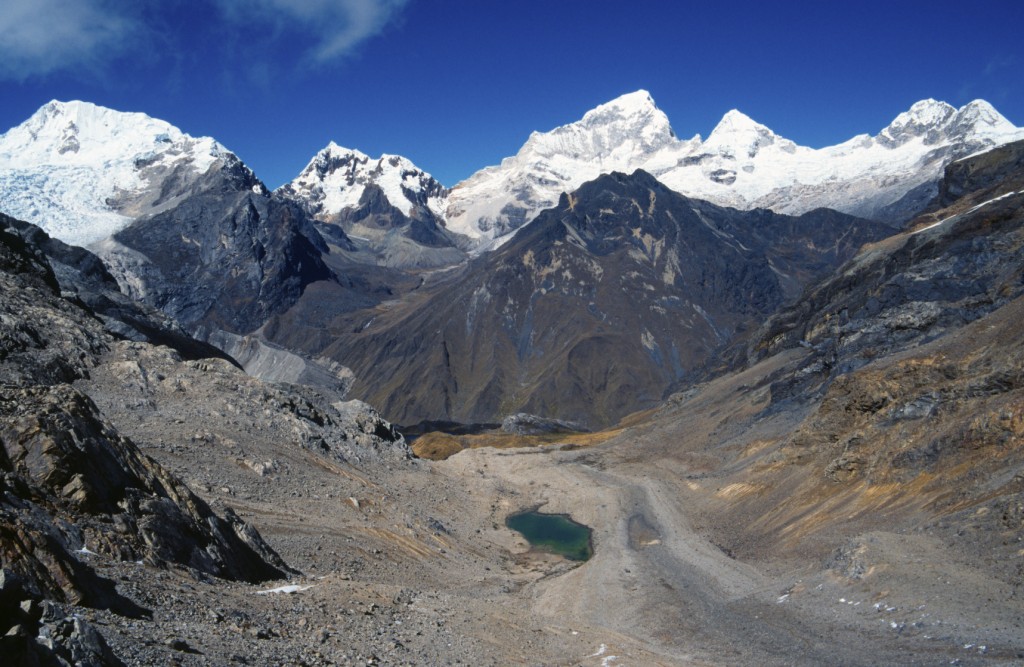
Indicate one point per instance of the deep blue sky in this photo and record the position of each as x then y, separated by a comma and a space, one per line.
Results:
455, 85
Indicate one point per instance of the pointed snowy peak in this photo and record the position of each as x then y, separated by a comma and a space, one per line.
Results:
979, 119
621, 135
633, 119
615, 132
331, 160
736, 122
638, 100
336, 178
739, 136
636, 105
982, 111
925, 112
924, 118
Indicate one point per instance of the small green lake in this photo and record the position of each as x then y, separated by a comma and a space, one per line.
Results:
554, 533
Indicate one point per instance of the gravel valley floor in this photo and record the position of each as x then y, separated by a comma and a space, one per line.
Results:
409, 561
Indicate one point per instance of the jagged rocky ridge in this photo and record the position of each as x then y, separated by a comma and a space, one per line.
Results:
890, 176
596, 308
113, 168
83, 277
202, 210
181, 223
226, 257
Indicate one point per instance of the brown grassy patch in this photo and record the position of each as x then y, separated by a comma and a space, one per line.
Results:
438, 446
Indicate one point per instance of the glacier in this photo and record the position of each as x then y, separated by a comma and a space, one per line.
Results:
83, 172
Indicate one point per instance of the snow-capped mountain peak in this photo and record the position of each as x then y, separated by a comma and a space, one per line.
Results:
632, 111
630, 122
735, 120
334, 159
925, 112
923, 117
976, 122
742, 164
637, 102
619, 135
84, 133
336, 178
984, 112
82, 171
980, 118
737, 135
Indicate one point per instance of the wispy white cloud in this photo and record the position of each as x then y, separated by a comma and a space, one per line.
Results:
995, 81
336, 26
38, 37
998, 64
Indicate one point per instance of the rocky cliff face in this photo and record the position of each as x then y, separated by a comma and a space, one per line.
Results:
181, 223
911, 380
83, 278
594, 310
225, 257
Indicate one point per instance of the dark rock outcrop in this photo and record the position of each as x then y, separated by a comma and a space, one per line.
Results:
83, 278
36, 632
226, 256
375, 210
998, 168
525, 424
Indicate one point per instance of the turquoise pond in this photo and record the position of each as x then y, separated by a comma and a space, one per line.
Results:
554, 533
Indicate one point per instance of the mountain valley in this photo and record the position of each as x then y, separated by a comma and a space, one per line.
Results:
783, 386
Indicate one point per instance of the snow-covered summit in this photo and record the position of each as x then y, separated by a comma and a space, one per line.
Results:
82, 172
614, 131
336, 178
739, 135
64, 133
615, 136
742, 164
922, 117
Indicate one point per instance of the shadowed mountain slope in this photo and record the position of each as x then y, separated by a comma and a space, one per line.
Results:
960, 262
594, 310
226, 257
